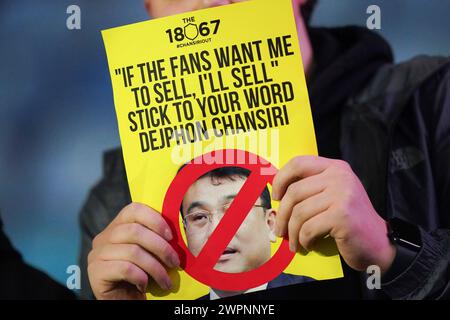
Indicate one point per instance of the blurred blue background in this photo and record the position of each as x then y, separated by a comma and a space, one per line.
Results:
57, 113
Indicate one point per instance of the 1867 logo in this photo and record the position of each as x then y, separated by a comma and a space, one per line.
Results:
191, 30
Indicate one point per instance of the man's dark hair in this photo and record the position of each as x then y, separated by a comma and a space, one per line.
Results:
230, 173
307, 10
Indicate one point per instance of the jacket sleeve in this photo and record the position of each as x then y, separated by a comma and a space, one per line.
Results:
104, 202
428, 275
21, 281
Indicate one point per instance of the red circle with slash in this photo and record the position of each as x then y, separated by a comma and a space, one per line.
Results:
201, 267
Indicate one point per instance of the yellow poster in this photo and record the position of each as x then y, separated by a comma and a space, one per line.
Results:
216, 98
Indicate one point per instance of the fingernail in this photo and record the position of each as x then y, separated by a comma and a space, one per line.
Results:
278, 231
142, 288
274, 195
275, 228
168, 284
292, 247
304, 249
168, 234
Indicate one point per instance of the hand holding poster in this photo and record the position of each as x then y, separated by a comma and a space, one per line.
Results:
209, 104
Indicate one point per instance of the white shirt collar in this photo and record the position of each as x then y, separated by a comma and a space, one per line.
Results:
214, 296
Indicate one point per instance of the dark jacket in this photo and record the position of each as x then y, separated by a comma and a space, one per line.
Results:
286, 279
396, 136
282, 280
19, 280
390, 122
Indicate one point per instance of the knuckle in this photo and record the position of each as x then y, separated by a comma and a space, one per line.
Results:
296, 219
343, 199
341, 208
90, 257
303, 239
355, 185
342, 164
298, 210
95, 241
306, 232
297, 161
127, 270
142, 208
342, 231
101, 254
291, 225
281, 219
133, 209
135, 206
127, 211
340, 168
134, 231
344, 212
159, 224
291, 190
134, 252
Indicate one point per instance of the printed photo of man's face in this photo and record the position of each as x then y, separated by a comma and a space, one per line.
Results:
203, 207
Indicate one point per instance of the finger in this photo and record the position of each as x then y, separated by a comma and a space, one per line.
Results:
139, 257
296, 193
296, 169
118, 271
134, 233
304, 211
135, 213
314, 229
140, 213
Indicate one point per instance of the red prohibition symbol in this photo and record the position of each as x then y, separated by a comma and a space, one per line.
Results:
201, 267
